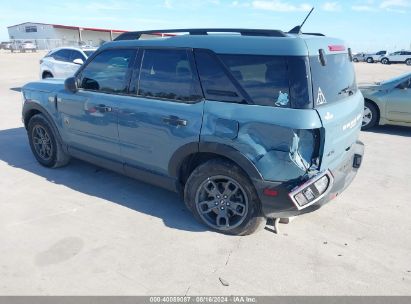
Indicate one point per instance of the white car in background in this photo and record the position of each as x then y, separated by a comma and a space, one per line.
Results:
63, 62
23, 46
397, 57
374, 57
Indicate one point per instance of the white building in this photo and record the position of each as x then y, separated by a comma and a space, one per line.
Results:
48, 36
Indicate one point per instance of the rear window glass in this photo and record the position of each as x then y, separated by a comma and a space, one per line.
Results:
264, 78
334, 81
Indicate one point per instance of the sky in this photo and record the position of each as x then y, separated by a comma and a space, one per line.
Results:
366, 25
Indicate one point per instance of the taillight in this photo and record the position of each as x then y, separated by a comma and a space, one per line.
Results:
336, 48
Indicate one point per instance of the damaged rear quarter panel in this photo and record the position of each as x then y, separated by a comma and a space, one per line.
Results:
278, 141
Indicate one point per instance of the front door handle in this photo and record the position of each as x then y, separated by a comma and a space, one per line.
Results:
103, 108
174, 121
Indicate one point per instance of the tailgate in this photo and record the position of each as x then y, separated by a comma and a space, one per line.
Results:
337, 99
342, 124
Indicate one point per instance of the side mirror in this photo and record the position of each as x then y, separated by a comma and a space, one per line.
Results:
70, 84
78, 61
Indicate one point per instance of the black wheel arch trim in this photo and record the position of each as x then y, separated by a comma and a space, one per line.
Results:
220, 149
30, 106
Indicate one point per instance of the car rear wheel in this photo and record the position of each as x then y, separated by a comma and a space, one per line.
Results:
370, 60
408, 61
355, 60
370, 116
44, 144
221, 196
385, 61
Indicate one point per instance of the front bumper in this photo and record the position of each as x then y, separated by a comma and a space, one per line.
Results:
282, 204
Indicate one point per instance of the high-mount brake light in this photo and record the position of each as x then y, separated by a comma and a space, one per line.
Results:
336, 48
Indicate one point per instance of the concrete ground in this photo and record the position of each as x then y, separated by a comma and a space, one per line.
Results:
82, 230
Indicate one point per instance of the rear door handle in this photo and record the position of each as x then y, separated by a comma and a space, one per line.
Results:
174, 121
103, 108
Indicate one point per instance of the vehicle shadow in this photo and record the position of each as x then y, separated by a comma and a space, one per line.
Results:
94, 181
392, 130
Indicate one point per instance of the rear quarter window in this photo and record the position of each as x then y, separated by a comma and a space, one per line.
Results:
264, 78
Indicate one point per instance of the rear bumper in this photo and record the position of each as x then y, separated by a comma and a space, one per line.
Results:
279, 204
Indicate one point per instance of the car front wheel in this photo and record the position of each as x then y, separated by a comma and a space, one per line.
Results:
220, 195
370, 60
370, 116
44, 144
408, 61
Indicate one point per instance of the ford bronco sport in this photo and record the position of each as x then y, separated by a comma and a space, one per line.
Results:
245, 124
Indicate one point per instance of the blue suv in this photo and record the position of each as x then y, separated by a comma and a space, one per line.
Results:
245, 124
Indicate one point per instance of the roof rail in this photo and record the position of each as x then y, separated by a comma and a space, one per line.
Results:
313, 34
244, 32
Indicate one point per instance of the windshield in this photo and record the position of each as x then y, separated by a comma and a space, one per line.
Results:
396, 79
334, 81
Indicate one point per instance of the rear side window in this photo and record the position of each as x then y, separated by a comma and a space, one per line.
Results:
168, 74
108, 71
62, 55
264, 78
334, 81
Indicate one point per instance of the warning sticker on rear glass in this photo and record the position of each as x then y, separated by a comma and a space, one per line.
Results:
320, 97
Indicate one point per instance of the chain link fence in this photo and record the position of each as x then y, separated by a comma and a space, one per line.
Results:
44, 44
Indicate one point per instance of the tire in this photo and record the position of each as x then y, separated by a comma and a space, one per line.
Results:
45, 145
47, 75
370, 117
408, 61
355, 60
370, 60
385, 61
232, 205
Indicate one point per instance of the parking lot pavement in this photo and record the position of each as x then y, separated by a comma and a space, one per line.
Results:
84, 230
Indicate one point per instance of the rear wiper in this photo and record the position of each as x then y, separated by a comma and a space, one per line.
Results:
346, 90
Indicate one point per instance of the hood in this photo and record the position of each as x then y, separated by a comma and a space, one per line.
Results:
369, 86
46, 85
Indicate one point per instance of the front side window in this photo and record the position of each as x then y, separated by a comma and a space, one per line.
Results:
62, 55
264, 78
168, 74
77, 55
108, 71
